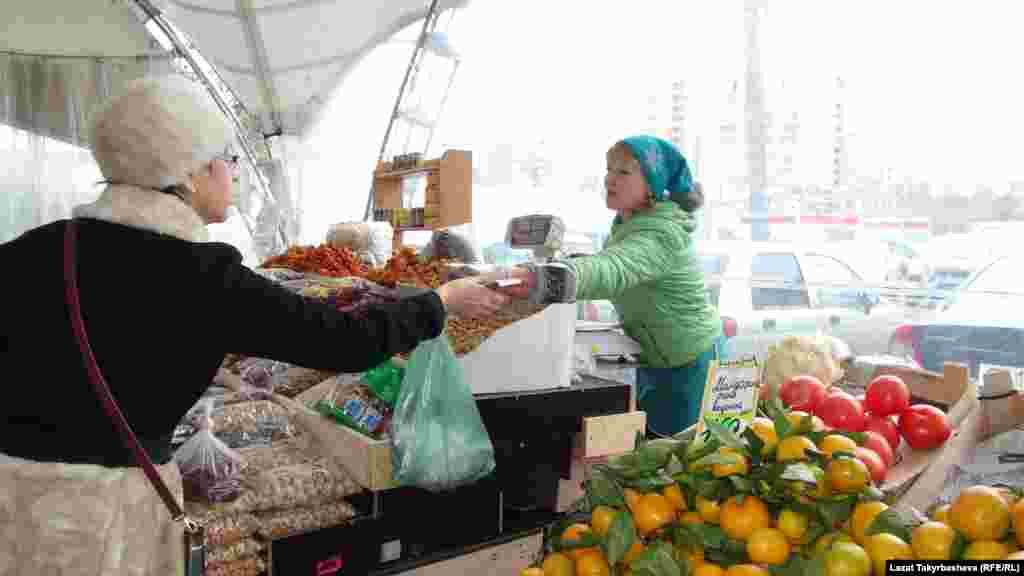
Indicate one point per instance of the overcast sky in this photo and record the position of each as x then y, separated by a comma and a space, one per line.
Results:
932, 89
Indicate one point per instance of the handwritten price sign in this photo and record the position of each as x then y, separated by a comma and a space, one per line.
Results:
730, 394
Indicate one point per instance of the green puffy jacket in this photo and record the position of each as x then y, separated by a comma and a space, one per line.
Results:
650, 271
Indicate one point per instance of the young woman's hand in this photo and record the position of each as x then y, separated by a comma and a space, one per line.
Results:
469, 298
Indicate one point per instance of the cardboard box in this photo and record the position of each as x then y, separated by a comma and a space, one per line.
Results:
918, 475
506, 558
602, 437
534, 353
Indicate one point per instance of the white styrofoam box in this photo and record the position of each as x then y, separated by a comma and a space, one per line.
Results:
535, 353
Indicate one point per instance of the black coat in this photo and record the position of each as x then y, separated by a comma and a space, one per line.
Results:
161, 313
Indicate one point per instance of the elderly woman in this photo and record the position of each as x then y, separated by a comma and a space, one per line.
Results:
161, 308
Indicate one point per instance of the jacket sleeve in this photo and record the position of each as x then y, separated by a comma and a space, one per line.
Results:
257, 317
638, 258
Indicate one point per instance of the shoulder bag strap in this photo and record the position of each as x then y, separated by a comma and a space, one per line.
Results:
98, 382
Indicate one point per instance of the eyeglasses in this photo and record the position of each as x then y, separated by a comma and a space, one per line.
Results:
229, 158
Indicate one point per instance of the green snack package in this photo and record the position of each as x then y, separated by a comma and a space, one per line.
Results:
385, 381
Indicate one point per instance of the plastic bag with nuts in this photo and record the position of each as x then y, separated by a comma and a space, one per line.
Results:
235, 552
251, 566
285, 523
293, 486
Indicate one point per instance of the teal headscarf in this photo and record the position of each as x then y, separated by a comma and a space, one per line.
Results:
666, 171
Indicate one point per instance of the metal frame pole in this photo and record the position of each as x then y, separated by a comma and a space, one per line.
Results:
398, 101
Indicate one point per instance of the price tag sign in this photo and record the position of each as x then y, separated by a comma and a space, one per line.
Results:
730, 394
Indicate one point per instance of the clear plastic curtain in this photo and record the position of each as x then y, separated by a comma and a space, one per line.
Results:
45, 103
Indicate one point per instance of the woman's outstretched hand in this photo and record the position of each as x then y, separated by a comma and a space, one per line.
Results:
469, 298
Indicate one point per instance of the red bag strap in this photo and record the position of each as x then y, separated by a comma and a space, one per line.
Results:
100, 384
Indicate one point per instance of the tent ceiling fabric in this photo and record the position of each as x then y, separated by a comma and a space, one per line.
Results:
284, 58
102, 28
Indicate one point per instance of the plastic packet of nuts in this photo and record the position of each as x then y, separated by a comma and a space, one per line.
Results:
223, 529
283, 523
294, 486
251, 417
234, 552
251, 566
289, 452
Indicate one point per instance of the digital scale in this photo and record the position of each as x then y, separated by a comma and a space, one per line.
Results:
543, 235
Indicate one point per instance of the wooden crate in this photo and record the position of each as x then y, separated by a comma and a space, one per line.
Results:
368, 461
601, 438
506, 559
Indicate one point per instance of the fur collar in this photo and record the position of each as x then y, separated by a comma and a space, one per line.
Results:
146, 209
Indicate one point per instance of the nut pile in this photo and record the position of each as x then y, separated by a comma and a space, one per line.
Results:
293, 486
250, 418
467, 335
235, 552
277, 455
223, 529
251, 566
284, 523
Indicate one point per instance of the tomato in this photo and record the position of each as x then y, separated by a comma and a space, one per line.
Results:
874, 463
924, 427
803, 393
887, 428
879, 445
887, 395
843, 411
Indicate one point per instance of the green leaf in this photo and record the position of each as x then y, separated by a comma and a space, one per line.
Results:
959, 546
801, 472
833, 512
621, 536
674, 466
724, 435
604, 491
712, 459
710, 535
743, 485
650, 483
889, 521
872, 494
800, 566
656, 560
756, 446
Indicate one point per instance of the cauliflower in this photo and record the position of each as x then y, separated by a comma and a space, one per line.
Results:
797, 355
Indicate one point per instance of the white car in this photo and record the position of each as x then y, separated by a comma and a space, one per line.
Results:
983, 323
766, 291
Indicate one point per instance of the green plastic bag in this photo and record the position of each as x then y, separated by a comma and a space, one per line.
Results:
385, 381
439, 441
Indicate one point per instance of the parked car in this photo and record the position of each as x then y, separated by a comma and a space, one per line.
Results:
766, 291
983, 322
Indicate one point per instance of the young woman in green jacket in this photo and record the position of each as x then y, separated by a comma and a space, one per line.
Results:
651, 273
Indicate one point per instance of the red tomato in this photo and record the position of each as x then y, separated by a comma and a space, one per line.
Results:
924, 427
887, 395
874, 463
802, 393
887, 428
843, 411
879, 445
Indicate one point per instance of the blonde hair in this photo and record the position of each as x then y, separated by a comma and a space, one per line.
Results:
158, 132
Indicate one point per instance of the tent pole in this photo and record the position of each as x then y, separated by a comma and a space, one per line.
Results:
156, 16
398, 101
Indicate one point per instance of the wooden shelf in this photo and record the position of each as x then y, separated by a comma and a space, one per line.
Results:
449, 193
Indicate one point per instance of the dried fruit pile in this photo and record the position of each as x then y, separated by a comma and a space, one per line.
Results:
467, 335
324, 260
405, 267
787, 497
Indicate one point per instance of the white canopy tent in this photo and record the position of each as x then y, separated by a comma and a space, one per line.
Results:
282, 60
